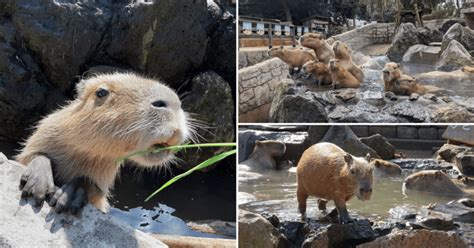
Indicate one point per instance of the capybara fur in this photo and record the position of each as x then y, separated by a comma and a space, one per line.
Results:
467, 69
320, 70
315, 41
77, 147
343, 54
295, 58
340, 77
385, 168
433, 182
329, 173
264, 153
401, 84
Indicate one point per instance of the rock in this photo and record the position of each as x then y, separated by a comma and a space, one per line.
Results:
454, 57
337, 235
211, 100
29, 226
422, 164
466, 202
383, 148
434, 221
272, 218
400, 213
408, 35
465, 162
463, 35
440, 77
454, 210
417, 238
376, 63
251, 224
412, 111
345, 138
359, 58
317, 133
414, 97
448, 152
422, 54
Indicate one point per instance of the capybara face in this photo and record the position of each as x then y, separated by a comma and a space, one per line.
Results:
133, 113
361, 172
333, 64
311, 40
276, 52
424, 180
310, 67
391, 71
274, 147
340, 49
385, 167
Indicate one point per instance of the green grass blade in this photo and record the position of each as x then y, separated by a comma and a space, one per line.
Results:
200, 166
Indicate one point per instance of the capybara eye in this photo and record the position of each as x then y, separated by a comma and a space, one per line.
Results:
353, 171
101, 93
159, 104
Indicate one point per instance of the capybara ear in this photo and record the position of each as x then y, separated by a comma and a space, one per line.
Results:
367, 157
348, 158
376, 163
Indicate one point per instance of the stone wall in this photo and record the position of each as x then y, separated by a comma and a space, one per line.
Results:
362, 37
249, 57
257, 83
402, 132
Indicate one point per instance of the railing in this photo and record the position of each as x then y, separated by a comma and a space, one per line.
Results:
250, 27
381, 35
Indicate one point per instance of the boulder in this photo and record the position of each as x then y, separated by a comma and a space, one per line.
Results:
376, 63
465, 162
463, 35
29, 226
448, 152
454, 57
383, 148
422, 164
417, 238
256, 231
345, 138
422, 54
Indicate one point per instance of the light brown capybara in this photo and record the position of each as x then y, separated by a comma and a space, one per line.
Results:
401, 84
294, 58
315, 41
467, 69
329, 173
263, 155
340, 77
320, 70
72, 156
433, 182
385, 168
343, 54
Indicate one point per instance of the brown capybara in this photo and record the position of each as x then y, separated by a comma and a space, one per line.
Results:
385, 168
467, 69
329, 173
319, 70
264, 153
432, 181
315, 41
343, 54
72, 156
397, 82
340, 77
295, 58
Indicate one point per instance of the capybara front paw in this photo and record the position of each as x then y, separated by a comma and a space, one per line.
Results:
70, 197
37, 180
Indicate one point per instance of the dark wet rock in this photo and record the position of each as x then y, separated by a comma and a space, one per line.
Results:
383, 148
408, 35
455, 210
211, 101
448, 151
272, 218
463, 35
296, 231
465, 162
454, 57
412, 111
345, 138
29, 226
417, 238
390, 95
251, 224
317, 133
435, 221
422, 164
466, 202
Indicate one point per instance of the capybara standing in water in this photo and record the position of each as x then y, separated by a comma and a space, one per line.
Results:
295, 58
432, 181
323, 50
401, 84
343, 54
329, 173
319, 70
340, 77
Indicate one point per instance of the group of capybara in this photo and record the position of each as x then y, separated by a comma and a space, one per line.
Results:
332, 64
328, 172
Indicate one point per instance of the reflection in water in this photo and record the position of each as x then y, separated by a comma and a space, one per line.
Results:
157, 220
275, 193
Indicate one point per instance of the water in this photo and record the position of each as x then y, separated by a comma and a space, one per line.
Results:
275, 192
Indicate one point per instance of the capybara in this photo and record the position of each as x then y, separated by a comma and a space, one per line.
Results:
432, 181
295, 58
315, 41
467, 69
329, 173
397, 82
343, 54
72, 156
264, 153
320, 70
340, 77
385, 168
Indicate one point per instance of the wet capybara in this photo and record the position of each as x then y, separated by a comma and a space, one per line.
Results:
329, 173
340, 77
433, 182
263, 155
343, 54
397, 82
385, 168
